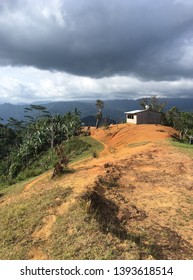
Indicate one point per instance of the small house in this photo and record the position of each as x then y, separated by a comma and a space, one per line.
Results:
147, 116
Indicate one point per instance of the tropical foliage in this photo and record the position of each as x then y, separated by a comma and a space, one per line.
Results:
21, 142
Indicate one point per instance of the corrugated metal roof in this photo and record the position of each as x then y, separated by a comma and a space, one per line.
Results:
135, 112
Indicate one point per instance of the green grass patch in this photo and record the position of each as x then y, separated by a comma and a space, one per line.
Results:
94, 147
94, 144
19, 221
182, 146
132, 145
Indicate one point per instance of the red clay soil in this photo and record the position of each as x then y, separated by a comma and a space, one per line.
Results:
122, 134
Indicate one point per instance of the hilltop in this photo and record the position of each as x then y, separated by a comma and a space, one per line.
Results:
132, 201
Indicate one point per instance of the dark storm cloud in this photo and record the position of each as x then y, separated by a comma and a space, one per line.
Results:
148, 38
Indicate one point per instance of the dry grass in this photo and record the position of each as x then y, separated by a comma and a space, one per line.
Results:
78, 236
19, 221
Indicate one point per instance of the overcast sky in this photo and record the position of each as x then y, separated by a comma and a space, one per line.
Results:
90, 49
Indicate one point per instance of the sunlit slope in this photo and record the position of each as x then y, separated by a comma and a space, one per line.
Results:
122, 135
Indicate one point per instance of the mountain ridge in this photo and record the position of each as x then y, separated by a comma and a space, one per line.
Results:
113, 109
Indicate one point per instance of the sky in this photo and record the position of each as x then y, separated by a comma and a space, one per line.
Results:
95, 49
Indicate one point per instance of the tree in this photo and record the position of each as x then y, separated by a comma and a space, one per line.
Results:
153, 102
99, 115
172, 116
181, 121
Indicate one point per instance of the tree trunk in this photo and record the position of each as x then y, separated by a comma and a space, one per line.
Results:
97, 123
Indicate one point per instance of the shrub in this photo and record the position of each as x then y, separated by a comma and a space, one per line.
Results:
95, 154
107, 165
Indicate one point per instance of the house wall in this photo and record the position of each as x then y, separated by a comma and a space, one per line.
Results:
134, 120
149, 117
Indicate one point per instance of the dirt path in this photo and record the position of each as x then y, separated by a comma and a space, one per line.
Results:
80, 183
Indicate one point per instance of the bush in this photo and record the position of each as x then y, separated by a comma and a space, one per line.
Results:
95, 154
107, 165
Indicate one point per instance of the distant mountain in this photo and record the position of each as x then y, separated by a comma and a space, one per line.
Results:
91, 121
184, 104
113, 109
42, 102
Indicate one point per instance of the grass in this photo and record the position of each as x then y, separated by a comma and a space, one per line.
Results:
182, 146
12, 189
19, 221
77, 236
94, 146
132, 145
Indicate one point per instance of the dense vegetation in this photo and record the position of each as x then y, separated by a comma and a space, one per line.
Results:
181, 121
24, 143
